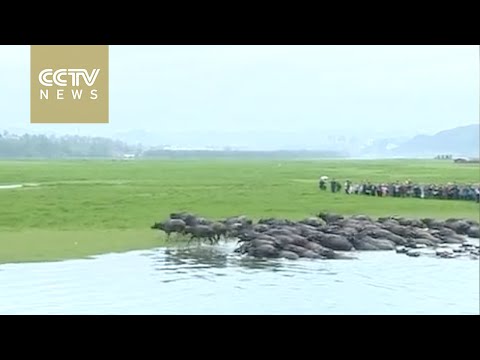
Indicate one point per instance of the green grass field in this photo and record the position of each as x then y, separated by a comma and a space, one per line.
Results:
81, 208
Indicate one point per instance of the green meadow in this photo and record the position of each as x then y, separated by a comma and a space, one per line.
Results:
75, 209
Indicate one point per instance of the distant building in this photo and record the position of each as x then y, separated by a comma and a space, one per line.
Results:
444, 157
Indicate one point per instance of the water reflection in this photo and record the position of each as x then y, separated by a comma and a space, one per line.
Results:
260, 264
217, 257
198, 255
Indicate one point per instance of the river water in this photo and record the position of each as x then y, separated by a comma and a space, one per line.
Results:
214, 280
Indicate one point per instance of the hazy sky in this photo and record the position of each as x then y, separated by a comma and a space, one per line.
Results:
413, 89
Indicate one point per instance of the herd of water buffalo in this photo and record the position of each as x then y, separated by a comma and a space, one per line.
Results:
327, 234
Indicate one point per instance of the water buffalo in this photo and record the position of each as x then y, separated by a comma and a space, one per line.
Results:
200, 232
190, 219
219, 230
474, 232
330, 218
169, 226
313, 221
368, 243
265, 250
288, 255
459, 226
333, 241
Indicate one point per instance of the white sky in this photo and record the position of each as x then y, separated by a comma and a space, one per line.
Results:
392, 89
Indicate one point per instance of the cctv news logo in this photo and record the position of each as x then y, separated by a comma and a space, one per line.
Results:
68, 77
69, 84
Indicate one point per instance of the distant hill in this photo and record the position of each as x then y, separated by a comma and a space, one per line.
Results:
460, 141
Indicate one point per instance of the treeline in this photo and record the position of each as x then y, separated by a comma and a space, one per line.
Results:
42, 146
240, 154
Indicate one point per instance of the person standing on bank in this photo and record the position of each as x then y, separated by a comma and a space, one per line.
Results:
348, 185
333, 186
322, 182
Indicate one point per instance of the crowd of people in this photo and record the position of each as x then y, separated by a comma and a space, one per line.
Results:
449, 191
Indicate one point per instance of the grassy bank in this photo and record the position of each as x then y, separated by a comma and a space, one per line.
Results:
52, 245
109, 205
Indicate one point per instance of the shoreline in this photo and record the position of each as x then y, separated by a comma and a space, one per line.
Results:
63, 245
